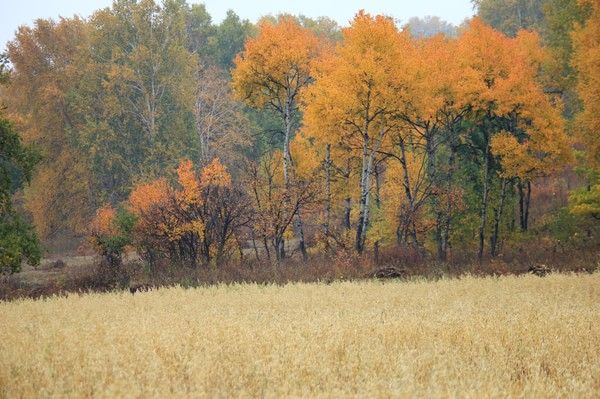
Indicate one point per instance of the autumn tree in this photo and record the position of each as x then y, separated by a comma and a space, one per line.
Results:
197, 220
357, 95
271, 73
554, 20
48, 62
335, 168
105, 100
111, 232
586, 59
508, 103
431, 136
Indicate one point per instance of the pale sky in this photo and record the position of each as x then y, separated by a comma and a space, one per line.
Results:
14, 13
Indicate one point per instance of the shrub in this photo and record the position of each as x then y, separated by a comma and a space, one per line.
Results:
112, 232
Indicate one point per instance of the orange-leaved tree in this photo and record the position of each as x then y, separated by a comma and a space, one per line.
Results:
431, 126
271, 72
501, 82
357, 95
195, 220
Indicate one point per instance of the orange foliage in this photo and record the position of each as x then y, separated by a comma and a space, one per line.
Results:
145, 196
103, 223
215, 174
365, 73
172, 212
275, 64
501, 77
586, 59
190, 186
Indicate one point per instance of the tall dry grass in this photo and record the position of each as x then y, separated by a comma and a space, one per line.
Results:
492, 337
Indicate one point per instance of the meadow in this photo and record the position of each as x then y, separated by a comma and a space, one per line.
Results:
470, 337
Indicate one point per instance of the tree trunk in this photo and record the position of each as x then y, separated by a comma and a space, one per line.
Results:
347, 200
279, 242
347, 213
447, 218
524, 202
299, 227
267, 250
527, 206
365, 183
287, 125
240, 248
410, 225
326, 224
432, 174
484, 197
378, 205
255, 246
521, 204
497, 219
298, 224
279, 248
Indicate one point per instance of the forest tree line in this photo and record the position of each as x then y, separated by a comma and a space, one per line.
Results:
154, 128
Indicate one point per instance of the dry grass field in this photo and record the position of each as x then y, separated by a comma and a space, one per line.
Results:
492, 337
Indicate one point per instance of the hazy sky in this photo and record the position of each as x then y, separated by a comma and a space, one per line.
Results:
18, 12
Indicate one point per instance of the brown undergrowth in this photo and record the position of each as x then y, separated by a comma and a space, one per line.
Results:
62, 276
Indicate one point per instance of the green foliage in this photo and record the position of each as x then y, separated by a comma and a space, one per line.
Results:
323, 27
216, 44
229, 39
16, 163
555, 20
509, 16
136, 101
18, 241
560, 18
4, 68
199, 29
585, 201
113, 244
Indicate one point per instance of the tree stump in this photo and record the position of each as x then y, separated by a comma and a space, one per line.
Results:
539, 270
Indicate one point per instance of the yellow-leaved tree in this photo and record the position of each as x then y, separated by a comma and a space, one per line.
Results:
356, 98
271, 72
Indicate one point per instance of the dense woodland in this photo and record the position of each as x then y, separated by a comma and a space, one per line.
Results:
147, 127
